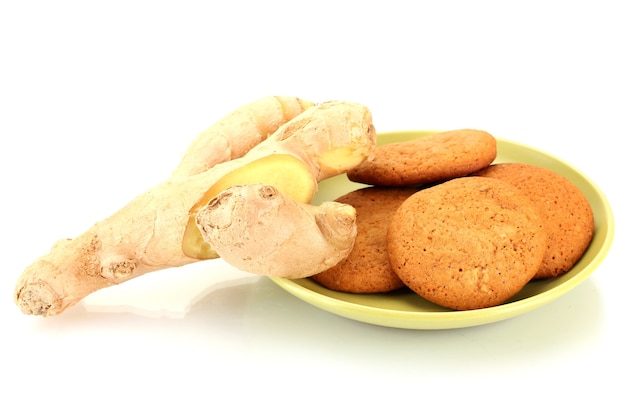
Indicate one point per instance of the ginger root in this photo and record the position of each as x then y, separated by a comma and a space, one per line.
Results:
325, 140
157, 229
259, 230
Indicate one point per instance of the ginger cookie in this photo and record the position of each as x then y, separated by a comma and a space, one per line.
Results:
467, 243
367, 268
566, 213
429, 159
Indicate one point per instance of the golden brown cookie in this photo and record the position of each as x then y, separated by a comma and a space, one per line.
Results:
367, 269
467, 243
429, 159
564, 209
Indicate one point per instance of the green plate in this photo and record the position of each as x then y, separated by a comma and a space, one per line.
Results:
405, 309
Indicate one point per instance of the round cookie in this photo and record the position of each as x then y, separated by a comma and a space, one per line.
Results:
367, 269
429, 159
468, 243
565, 211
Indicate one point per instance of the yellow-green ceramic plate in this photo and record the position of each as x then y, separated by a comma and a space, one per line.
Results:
405, 309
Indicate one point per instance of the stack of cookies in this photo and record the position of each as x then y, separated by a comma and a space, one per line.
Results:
441, 218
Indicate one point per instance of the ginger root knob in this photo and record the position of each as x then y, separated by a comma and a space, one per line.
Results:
262, 231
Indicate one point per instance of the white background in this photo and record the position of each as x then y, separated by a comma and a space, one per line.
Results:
98, 102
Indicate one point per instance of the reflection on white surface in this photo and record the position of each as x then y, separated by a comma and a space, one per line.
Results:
237, 337
170, 293
255, 317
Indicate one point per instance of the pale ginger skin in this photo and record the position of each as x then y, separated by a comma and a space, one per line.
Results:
157, 229
297, 240
143, 236
235, 134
